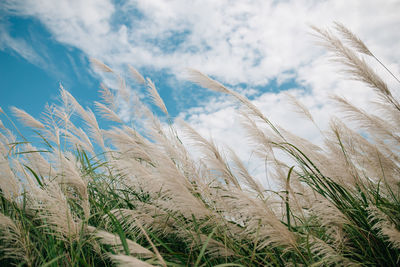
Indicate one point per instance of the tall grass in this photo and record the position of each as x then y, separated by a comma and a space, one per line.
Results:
133, 195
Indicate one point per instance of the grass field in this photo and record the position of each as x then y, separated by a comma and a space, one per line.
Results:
135, 196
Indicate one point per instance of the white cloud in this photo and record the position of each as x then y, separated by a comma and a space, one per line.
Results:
19, 46
235, 41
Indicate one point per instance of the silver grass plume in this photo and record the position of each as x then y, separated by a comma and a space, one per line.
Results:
100, 65
157, 100
138, 77
115, 241
9, 183
247, 178
356, 66
329, 254
14, 242
352, 39
300, 108
107, 96
53, 207
213, 155
359, 45
27, 119
107, 113
374, 124
384, 225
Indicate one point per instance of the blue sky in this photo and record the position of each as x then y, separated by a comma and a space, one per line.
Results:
259, 48
31, 83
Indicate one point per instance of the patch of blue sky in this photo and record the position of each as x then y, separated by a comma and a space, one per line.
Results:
30, 85
202, 47
171, 41
257, 58
131, 17
275, 85
127, 14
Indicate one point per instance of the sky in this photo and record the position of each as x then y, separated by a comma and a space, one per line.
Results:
260, 48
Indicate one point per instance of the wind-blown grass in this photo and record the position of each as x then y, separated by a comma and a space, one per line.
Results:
133, 195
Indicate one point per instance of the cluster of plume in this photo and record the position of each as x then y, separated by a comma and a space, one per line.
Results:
134, 194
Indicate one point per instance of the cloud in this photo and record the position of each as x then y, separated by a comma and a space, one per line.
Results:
18, 46
235, 41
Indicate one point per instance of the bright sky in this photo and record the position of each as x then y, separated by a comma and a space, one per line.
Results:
260, 48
